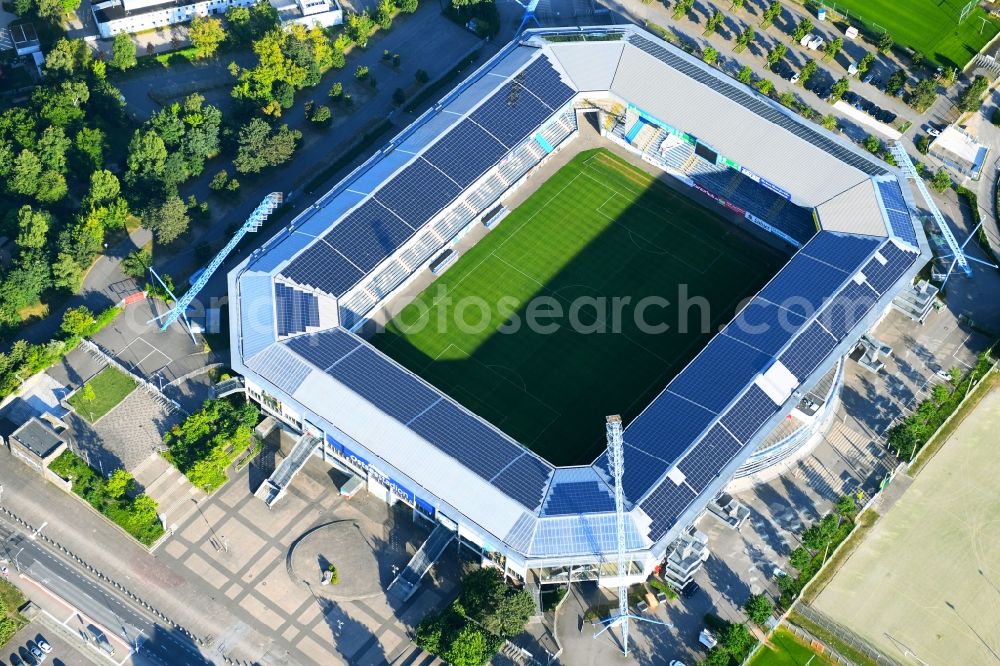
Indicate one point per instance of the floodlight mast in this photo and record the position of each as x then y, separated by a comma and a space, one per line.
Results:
253, 223
616, 456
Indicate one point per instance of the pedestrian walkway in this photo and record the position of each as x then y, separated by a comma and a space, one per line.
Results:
175, 496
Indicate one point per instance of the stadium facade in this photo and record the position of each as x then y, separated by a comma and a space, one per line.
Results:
846, 217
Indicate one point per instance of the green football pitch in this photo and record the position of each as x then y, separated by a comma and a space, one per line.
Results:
928, 26
599, 231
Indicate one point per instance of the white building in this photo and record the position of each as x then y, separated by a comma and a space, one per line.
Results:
132, 16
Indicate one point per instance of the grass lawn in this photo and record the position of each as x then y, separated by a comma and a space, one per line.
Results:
597, 231
928, 26
786, 649
11, 598
110, 387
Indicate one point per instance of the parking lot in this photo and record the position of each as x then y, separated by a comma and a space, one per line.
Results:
65, 652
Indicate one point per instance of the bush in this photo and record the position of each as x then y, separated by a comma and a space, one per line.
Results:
361, 73
421, 76
663, 586
336, 90
208, 441
219, 181
321, 114
398, 97
923, 144
941, 181
137, 515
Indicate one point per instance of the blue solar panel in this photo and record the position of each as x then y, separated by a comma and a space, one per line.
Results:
765, 326
545, 83
898, 212
665, 505
465, 153
324, 268
323, 349
578, 497
294, 309
384, 384
511, 114
882, 276
641, 471
807, 351
749, 414
668, 425
418, 193
803, 285
845, 252
847, 309
525, 480
719, 373
368, 235
466, 439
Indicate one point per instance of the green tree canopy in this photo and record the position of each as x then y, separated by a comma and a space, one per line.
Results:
122, 52
206, 34
167, 220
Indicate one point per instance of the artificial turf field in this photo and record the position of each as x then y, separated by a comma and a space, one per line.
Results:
928, 26
599, 227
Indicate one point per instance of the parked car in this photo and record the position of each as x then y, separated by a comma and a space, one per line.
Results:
817, 43
850, 97
690, 590
806, 40
868, 78
15, 660
43, 644
36, 652
933, 131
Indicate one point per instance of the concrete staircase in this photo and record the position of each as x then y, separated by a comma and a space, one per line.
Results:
175, 496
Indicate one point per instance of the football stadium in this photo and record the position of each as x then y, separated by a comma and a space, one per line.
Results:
582, 170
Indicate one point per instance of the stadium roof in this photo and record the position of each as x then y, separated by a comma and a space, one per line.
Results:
687, 442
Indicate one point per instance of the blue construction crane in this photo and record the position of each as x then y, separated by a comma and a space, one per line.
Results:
253, 223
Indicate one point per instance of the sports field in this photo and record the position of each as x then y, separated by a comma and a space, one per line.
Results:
928, 26
597, 230
924, 587
786, 649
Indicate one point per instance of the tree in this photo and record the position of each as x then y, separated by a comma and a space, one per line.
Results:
941, 181
765, 86
51, 187
147, 156
337, 89
758, 609
736, 5
118, 483
361, 72
167, 220
135, 264
219, 180
88, 145
948, 75
61, 105
924, 94
800, 558
260, 147
360, 28
66, 57
33, 226
709, 55
25, 174
321, 114
895, 82
717, 656
885, 43
682, 7
206, 34
713, 22
808, 70
746, 75
51, 10
143, 509
384, 12
865, 63
923, 144
737, 640
122, 52
971, 98
833, 48
744, 39
469, 648
87, 393
804, 27
772, 12
776, 53
829, 121
840, 87
872, 144
846, 506
66, 273
104, 188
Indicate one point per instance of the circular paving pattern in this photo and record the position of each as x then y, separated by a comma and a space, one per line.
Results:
342, 544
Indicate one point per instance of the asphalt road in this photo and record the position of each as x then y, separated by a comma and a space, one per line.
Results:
94, 604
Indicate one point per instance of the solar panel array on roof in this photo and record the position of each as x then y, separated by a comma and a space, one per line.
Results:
764, 326
807, 351
839, 250
665, 505
524, 480
897, 211
407, 201
641, 471
325, 348
717, 375
882, 276
379, 381
667, 426
294, 309
577, 497
745, 99
847, 309
749, 413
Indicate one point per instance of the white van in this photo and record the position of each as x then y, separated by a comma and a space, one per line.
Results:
707, 639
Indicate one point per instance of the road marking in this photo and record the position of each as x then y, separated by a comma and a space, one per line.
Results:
38, 531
